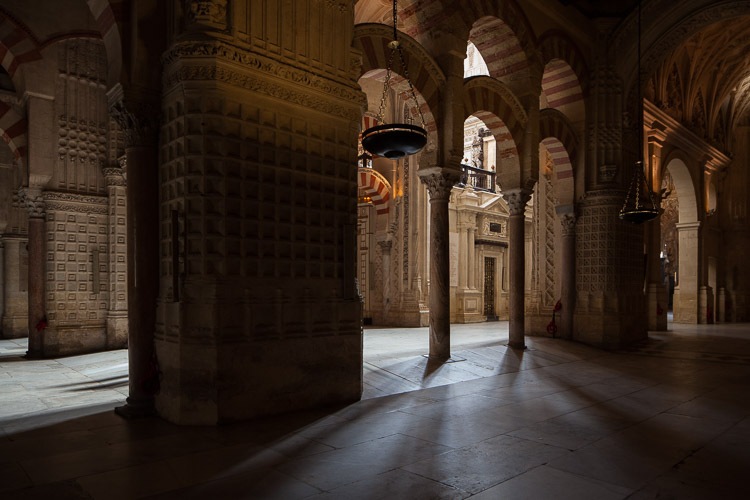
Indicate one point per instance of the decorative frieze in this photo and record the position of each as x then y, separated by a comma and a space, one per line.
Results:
71, 202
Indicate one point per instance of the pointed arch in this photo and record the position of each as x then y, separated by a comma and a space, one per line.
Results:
483, 93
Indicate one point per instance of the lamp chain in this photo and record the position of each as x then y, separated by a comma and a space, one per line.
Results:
395, 46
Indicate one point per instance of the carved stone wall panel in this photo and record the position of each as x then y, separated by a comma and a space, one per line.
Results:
82, 116
77, 267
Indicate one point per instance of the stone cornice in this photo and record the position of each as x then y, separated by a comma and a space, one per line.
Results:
187, 61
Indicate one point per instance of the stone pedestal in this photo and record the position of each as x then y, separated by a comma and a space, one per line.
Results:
721, 306
706, 305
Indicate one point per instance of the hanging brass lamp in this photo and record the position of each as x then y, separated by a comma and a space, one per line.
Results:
395, 140
635, 209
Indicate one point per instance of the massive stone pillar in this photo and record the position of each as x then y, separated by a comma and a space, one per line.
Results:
117, 313
439, 182
517, 200
258, 311
568, 274
137, 117
37, 261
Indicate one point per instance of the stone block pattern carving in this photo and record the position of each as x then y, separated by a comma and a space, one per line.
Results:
263, 195
77, 228
608, 256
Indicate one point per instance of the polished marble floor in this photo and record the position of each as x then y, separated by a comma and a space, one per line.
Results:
669, 418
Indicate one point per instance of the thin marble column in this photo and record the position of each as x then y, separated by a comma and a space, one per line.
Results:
140, 123
517, 199
568, 274
36, 291
439, 183
472, 269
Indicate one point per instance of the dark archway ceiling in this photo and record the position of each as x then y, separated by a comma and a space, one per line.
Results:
55, 18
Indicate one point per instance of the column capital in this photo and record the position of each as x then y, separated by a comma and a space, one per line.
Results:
31, 198
517, 200
567, 216
439, 181
113, 176
385, 245
138, 115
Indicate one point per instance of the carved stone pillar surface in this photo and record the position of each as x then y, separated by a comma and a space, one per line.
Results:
117, 320
2, 284
36, 250
517, 200
15, 289
439, 183
139, 119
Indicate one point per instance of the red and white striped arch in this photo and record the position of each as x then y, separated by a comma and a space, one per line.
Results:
556, 45
558, 137
371, 183
482, 95
13, 128
17, 46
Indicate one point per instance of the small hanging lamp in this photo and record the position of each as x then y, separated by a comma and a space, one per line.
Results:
634, 209
395, 140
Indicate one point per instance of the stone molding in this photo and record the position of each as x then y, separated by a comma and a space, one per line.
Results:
249, 66
517, 200
70, 202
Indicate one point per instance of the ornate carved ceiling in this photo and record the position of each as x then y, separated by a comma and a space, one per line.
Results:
705, 82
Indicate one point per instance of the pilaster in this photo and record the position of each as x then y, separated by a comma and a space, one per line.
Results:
117, 312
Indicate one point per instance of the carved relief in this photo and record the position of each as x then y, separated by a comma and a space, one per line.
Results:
207, 13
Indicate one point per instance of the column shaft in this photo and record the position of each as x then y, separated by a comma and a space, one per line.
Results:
439, 183
37, 313
517, 199
143, 276
472, 265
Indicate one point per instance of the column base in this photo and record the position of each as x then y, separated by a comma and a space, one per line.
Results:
137, 408
516, 345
